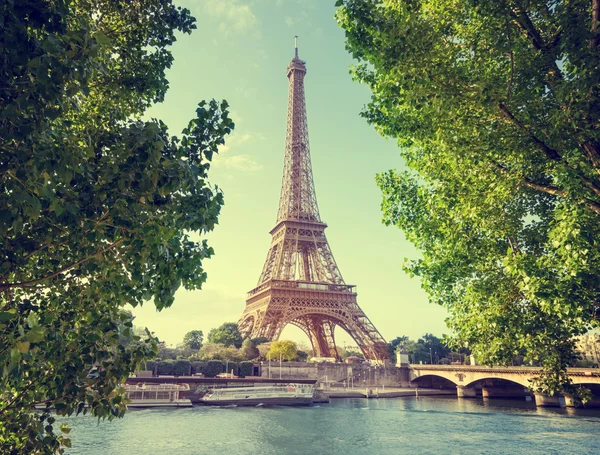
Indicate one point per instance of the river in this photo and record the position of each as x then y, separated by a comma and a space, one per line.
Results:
346, 426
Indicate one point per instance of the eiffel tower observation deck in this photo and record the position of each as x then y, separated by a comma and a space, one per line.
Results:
300, 282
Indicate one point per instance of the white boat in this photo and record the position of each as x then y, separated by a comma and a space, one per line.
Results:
260, 395
157, 395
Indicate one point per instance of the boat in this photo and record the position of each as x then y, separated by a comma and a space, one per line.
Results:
260, 395
157, 395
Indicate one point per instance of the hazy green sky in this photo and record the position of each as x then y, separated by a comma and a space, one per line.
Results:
240, 52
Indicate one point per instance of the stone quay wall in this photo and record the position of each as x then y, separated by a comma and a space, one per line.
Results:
357, 374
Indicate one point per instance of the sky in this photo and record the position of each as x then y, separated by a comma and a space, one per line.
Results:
240, 52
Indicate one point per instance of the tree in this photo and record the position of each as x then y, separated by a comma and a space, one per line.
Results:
193, 340
496, 108
305, 351
96, 204
434, 346
249, 350
165, 352
220, 352
395, 344
227, 334
264, 349
260, 340
352, 351
417, 352
284, 350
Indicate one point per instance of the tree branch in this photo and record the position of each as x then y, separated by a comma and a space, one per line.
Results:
23, 391
592, 205
31, 283
550, 153
555, 191
549, 189
591, 185
42, 248
592, 152
524, 23
447, 87
513, 245
556, 38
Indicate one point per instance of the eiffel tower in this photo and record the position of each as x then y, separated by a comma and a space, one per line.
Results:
300, 283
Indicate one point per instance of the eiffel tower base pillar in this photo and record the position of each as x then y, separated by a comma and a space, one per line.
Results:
320, 333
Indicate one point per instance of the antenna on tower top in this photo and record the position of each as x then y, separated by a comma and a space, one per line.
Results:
296, 44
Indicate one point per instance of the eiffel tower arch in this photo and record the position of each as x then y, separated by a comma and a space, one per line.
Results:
300, 282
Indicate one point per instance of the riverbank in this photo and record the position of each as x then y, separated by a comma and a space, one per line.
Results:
387, 392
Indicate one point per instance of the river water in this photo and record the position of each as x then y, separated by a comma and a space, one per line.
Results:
406, 426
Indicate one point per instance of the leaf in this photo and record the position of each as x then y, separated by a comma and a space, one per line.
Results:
7, 316
36, 334
101, 38
23, 346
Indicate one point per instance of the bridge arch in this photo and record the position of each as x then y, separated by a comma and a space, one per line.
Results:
434, 381
512, 381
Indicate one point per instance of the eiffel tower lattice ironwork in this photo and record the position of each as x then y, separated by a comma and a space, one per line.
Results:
300, 283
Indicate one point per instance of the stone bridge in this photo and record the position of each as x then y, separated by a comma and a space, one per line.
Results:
495, 382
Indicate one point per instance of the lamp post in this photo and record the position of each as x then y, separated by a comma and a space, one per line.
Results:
279, 365
430, 357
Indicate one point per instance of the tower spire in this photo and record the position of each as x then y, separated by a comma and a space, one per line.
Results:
298, 200
296, 45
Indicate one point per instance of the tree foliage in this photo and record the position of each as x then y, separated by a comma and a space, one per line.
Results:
193, 339
427, 349
417, 352
396, 343
227, 334
263, 349
284, 350
249, 349
246, 369
496, 108
260, 340
220, 352
95, 203
213, 368
351, 351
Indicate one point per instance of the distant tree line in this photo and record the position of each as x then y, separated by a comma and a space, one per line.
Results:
225, 343
427, 349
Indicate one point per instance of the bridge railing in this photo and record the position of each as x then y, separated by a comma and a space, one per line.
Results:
592, 372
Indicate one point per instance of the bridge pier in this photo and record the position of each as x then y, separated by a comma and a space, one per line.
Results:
498, 391
594, 403
556, 401
465, 392
569, 402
